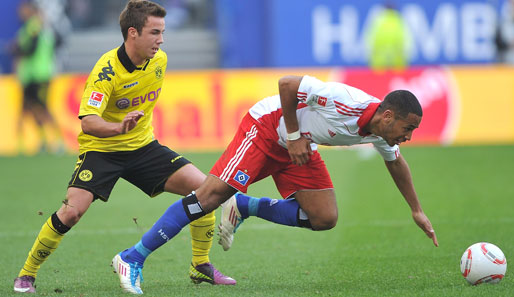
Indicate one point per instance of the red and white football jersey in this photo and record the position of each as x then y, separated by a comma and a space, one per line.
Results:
328, 113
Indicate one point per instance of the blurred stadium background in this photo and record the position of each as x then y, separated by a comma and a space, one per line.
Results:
226, 55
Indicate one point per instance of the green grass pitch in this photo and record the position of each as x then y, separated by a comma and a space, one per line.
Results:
375, 250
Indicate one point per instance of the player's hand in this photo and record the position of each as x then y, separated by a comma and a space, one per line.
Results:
299, 150
130, 120
424, 223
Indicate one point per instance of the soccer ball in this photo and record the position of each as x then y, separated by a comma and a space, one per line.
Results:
483, 263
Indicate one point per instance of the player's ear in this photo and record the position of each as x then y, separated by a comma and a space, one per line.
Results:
388, 115
132, 32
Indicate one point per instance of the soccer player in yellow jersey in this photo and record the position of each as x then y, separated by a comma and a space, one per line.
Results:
117, 141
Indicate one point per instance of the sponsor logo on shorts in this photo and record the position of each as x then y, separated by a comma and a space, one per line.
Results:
176, 158
95, 99
123, 103
241, 177
85, 175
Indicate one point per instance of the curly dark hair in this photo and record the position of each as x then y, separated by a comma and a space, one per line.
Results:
135, 14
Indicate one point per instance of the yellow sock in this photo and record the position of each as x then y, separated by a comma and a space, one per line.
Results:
46, 242
202, 233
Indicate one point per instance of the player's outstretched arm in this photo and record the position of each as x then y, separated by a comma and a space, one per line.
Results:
400, 172
96, 126
424, 223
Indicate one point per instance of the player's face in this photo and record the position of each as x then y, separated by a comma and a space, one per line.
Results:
399, 130
151, 37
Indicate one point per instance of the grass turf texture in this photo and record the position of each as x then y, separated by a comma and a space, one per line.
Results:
375, 250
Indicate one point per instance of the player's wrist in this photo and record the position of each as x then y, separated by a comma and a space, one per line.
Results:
121, 129
294, 135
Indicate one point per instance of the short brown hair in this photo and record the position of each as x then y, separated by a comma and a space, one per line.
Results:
135, 14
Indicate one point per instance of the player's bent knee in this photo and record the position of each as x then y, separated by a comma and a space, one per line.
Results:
324, 226
324, 223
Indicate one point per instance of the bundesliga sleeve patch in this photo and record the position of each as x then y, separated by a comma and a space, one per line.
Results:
241, 177
95, 99
322, 101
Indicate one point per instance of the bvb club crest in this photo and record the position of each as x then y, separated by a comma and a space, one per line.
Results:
210, 233
85, 175
158, 72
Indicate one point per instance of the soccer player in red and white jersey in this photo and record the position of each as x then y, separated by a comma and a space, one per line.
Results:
279, 137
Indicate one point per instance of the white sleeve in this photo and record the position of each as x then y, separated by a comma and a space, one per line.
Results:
317, 93
311, 89
389, 153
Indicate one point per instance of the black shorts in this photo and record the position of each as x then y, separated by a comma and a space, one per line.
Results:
147, 168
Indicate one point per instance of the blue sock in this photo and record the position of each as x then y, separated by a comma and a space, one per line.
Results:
166, 227
284, 212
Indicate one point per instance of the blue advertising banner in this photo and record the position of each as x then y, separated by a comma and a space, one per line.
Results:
9, 23
333, 32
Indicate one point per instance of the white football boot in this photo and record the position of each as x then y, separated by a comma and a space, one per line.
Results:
130, 275
230, 220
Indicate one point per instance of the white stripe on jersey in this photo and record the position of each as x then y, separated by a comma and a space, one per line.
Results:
302, 96
240, 152
347, 110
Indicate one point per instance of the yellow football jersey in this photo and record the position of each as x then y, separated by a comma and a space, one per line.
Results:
116, 87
